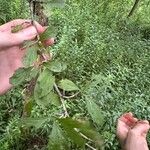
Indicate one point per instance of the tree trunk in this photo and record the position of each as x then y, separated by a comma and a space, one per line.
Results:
38, 12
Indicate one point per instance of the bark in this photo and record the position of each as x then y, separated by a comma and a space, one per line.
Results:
38, 12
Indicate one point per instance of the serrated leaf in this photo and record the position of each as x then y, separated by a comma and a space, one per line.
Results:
83, 127
43, 101
49, 33
33, 122
54, 99
94, 111
43, 88
20, 76
69, 126
56, 66
30, 56
91, 133
56, 138
67, 85
28, 44
50, 98
46, 82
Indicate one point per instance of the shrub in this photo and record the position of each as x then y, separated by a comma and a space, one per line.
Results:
108, 58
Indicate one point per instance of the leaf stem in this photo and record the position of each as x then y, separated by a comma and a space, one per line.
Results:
90, 146
34, 24
62, 100
32, 18
72, 96
85, 137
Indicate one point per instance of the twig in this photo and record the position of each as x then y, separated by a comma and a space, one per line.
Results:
62, 100
57, 90
32, 5
85, 137
66, 97
90, 146
31, 10
34, 24
72, 96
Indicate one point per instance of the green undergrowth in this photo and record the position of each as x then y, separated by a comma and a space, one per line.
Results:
13, 9
108, 57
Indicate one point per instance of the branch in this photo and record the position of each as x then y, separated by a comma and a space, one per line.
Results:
90, 146
62, 100
133, 8
72, 96
85, 137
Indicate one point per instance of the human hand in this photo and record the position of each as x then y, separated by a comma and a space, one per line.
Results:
137, 136
10, 52
132, 132
125, 123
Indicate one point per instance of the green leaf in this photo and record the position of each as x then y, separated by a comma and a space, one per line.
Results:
30, 56
33, 122
49, 33
56, 66
28, 44
67, 85
46, 81
41, 101
69, 126
43, 88
34, 72
50, 98
28, 107
94, 111
83, 127
56, 138
91, 133
54, 99
20, 76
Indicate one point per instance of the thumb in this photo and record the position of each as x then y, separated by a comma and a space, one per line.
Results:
141, 128
25, 35
28, 33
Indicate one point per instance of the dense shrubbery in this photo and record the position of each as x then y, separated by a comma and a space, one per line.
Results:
108, 58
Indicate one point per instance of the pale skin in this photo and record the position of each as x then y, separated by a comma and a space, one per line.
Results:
131, 132
11, 53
